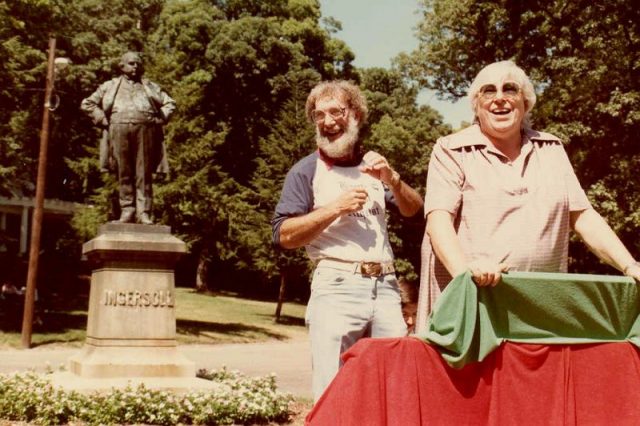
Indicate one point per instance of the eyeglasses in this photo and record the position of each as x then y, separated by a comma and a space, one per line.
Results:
334, 113
509, 91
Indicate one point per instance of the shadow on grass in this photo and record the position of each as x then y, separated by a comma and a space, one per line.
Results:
48, 327
255, 297
54, 314
64, 320
47, 322
287, 320
198, 328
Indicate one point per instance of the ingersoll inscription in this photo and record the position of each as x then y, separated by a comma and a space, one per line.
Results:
154, 299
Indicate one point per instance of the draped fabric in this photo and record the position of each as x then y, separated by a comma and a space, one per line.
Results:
468, 322
406, 382
536, 349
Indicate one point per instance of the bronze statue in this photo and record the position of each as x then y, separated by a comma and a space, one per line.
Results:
131, 111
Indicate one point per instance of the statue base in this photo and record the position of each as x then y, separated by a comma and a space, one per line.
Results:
131, 327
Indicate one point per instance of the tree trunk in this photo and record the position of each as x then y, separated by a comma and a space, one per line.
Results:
283, 285
202, 272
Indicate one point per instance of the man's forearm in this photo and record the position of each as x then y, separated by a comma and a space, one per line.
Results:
300, 230
408, 200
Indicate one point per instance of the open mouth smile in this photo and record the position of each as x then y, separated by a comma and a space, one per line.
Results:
332, 134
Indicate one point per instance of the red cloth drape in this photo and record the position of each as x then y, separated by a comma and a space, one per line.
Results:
405, 382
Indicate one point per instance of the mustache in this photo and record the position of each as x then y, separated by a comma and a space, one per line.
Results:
343, 146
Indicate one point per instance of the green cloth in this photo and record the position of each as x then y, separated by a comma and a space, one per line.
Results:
469, 322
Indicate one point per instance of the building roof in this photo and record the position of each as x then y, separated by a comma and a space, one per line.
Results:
51, 206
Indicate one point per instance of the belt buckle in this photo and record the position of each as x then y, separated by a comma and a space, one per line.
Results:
371, 269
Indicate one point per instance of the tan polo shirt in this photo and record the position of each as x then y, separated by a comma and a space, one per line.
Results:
514, 212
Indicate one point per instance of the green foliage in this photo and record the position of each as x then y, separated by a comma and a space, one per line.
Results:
233, 68
93, 37
584, 58
30, 397
240, 72
290, 139
404, 133
21, 92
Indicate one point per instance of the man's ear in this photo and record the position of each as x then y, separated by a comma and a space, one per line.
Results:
357, 116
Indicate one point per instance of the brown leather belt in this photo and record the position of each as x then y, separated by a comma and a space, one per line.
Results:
367, 269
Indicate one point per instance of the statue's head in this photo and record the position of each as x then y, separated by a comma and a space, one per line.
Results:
131, 65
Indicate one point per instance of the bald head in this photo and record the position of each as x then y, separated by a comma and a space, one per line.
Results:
131, 65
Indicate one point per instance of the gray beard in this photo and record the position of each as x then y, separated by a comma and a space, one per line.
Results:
342, 147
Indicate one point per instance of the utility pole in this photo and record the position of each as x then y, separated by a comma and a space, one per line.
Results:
36, 222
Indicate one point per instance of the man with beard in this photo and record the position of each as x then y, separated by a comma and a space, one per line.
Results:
131, 111
333, 203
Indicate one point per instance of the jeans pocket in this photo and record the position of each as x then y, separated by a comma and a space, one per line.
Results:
328, 278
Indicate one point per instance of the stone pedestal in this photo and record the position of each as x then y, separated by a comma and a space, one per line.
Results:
131, 328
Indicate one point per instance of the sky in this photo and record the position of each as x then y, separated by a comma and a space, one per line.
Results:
376, 31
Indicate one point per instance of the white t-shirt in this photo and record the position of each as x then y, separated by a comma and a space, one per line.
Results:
358, 236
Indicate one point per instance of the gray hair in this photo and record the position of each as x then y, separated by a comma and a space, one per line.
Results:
346, 91
509, 69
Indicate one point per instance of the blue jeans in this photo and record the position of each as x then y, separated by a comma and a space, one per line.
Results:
343, 308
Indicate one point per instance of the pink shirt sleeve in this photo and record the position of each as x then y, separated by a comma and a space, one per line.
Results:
578, 199
444, 180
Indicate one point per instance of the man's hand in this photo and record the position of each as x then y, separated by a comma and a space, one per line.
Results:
633, 271
378, 167
486, 273
297, 231
351, 201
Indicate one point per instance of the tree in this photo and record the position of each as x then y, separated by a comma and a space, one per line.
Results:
230, 67
583, 58
291, 138
240, 71
93, 37
404, 133
22, 80
86, 32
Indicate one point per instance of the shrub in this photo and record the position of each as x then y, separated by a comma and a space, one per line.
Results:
30, 397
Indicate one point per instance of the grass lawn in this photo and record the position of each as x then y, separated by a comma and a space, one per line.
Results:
226, 319
200, 318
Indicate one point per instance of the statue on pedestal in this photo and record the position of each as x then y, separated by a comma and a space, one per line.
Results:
131, 111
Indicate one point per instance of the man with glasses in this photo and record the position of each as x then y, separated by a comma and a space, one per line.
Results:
333, 203
501, 195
